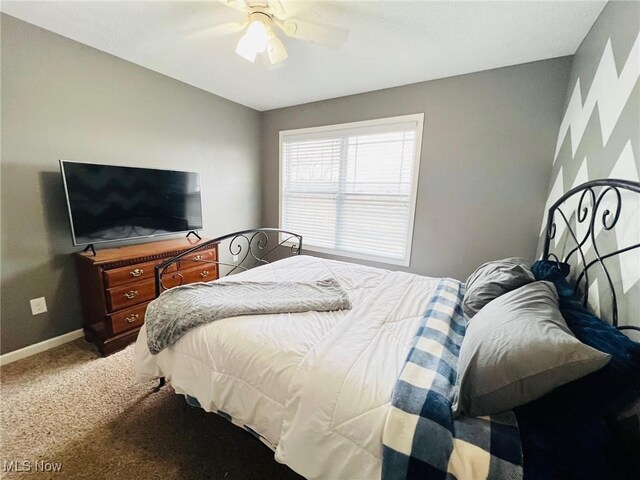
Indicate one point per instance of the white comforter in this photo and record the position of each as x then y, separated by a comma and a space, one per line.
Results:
316, 385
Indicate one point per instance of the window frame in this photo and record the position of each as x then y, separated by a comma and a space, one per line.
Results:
418, 118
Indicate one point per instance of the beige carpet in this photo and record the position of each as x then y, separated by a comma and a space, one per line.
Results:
73, 407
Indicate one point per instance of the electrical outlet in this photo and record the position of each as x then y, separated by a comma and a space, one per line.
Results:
235, 258
38, 305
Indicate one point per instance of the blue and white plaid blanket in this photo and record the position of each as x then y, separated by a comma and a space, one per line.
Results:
421, 439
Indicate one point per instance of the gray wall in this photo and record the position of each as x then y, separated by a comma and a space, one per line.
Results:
62, 99
484, 169
605, 69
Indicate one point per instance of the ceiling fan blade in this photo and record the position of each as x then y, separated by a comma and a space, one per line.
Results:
276, 9
240, 5
216, 30
276, 51
313, 32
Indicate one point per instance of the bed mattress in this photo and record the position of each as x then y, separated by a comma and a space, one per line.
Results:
316, 386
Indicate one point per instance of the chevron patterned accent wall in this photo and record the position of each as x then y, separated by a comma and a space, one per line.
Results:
599, 137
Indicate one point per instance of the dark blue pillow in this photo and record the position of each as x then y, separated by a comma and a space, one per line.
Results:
617, 384
556, 273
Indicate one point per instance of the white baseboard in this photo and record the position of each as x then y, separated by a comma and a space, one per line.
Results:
40, 347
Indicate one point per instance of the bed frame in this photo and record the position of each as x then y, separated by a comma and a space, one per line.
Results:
599, 208
247, 249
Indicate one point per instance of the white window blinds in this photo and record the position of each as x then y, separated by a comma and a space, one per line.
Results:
351, 189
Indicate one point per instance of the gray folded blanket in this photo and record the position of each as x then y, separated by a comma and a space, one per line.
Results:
180, 309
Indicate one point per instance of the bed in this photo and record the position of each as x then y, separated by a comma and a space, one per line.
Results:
318, 388
310, 381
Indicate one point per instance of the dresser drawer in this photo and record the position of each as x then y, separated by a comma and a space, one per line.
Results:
198, 259
130, 295
132, 273
203, 273
128, 319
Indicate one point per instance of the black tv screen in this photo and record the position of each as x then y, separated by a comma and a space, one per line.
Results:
108, 203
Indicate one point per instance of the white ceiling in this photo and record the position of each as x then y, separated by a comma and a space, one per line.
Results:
390, 43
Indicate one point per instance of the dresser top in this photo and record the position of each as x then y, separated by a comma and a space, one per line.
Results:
140, 250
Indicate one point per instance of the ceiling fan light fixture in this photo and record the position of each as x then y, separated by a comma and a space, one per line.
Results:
255, 39
267, 18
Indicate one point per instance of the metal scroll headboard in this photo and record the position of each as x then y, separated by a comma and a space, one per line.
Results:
247, 249
599, 209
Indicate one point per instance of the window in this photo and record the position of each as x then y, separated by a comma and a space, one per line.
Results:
350, 189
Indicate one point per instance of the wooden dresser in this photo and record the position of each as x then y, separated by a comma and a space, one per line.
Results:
117, 284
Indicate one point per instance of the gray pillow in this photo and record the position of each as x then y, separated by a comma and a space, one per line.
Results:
517, 349
493, 279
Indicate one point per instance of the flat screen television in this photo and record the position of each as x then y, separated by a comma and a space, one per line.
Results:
108, 203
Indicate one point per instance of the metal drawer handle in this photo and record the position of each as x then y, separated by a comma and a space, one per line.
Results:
133, 317
137, 272
204, 274
131, 294
197, 257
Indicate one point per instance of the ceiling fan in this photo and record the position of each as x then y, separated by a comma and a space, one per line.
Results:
265, 19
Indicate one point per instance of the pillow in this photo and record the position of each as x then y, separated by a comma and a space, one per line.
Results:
607, 391
556, 273
493, 279
517, 349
